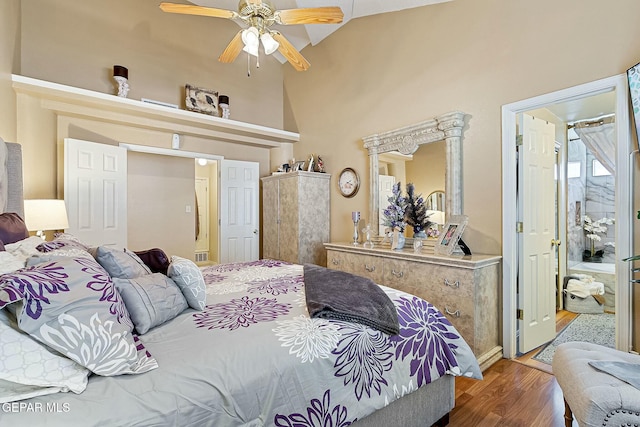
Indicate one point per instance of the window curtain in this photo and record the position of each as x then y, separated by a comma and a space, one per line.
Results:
600, 139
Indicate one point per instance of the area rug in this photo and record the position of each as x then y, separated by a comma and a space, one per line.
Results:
593, 328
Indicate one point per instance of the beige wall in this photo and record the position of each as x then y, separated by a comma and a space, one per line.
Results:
9, 61
427, 169
210, 171
77, 44
159, 190
467, 55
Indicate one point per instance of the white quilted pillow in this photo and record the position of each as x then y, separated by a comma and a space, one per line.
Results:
9, 263
189, 279
28, 368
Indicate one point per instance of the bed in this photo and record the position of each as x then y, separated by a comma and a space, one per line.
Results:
225, 345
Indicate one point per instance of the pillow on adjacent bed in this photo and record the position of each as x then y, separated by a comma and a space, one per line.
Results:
151, 300
120, 262
71, 305
12, 228
156, 259
189, 278
28, 368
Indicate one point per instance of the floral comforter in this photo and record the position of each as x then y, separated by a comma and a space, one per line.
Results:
254, 357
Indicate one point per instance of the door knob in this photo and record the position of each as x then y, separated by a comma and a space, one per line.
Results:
255, 231
555, 242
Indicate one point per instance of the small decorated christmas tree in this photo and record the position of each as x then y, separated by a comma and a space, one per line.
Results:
394, 214
416, 212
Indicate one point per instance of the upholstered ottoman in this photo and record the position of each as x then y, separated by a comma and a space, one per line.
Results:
596, 398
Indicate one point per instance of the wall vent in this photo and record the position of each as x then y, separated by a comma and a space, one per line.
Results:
202, 256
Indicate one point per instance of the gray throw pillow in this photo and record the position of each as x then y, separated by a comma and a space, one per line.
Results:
120, 262
71, 305
151, 300
189, 278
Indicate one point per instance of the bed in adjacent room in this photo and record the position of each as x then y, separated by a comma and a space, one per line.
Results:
101, 336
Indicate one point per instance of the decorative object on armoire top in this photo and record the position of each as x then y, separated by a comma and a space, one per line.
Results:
311, 163
319, 164
416, 214
223, 103
201, 100
355, 217
593, 230
121, 76
348, 182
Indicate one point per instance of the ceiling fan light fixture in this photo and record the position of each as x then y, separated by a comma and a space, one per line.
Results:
269, 44
250, 37
251, 50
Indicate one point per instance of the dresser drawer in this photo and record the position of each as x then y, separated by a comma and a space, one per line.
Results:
362, 265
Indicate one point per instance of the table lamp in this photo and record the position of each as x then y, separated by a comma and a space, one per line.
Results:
45, 214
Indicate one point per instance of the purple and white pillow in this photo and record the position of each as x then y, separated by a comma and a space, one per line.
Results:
72, 306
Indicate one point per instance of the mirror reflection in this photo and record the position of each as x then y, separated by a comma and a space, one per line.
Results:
425, 169
435, 201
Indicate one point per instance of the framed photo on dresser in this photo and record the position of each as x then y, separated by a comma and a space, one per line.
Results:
451, 234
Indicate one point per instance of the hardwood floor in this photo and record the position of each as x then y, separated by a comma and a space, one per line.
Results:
510, 395
563, 318
520, 392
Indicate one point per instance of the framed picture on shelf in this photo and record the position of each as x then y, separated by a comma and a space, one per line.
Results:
201, 100
451, 234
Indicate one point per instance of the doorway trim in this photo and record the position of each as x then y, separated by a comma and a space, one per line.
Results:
623, 192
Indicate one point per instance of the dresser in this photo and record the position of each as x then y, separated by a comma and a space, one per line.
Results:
295, 217
465, 288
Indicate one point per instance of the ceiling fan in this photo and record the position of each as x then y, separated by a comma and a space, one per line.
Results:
259, 16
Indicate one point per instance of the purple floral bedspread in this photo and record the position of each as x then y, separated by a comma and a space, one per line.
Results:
254, 357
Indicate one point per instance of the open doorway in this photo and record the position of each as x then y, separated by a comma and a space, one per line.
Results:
207, 235
617, 87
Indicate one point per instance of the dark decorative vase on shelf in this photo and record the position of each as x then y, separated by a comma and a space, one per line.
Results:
596, 257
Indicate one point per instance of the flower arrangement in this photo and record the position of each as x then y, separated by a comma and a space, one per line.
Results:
593, 230
394, 214
416, 212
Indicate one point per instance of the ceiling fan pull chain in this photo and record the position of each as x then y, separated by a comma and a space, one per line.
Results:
248, 65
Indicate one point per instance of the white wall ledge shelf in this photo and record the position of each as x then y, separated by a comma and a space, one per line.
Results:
104, 107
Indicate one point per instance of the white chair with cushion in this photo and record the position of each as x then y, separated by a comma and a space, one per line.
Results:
594, 397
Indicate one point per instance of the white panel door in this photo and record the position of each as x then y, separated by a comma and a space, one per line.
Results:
95, 191
537, 260
239, 211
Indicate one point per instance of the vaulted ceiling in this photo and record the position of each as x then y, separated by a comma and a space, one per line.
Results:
303, 35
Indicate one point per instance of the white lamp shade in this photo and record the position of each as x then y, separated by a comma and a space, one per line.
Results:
269, 44
251, 50
45, 214
251, 40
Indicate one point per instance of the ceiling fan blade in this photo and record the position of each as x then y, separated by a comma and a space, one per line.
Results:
188, 9
288, 51
233, 49
310, 15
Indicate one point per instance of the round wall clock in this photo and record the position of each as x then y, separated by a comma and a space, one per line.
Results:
348, 182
